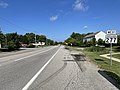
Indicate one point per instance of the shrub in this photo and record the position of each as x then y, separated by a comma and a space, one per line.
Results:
31, 46
95, 49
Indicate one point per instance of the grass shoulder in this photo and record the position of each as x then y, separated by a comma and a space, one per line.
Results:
116, 56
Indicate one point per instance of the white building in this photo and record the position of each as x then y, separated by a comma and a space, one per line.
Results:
97, 36
39, 44
0, 46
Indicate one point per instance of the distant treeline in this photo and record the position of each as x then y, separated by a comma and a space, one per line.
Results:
14, 40
76, 39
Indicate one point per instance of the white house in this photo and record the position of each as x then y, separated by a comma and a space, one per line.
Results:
97, 36
39, 44
0, 46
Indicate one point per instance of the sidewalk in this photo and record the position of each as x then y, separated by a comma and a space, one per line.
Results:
107, 56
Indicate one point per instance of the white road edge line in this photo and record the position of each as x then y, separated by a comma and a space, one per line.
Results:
39, 72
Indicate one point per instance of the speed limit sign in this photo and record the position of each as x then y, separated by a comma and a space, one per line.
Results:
111, 39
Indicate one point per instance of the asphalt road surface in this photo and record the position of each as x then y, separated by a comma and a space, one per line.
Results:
49, 68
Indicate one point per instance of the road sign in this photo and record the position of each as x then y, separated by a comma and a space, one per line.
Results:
109, 38
111, 32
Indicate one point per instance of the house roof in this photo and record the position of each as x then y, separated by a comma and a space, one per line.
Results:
91, 35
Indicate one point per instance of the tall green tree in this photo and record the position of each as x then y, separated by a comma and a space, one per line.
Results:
76, 39
13, 41
42, 38
49, 42
100, 42
94, 41
2, 39
30, 37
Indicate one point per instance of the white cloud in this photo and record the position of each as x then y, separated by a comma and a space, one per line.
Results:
3, 4
54, 18
85, 27
80, 5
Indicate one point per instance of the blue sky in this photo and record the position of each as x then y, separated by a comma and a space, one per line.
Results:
57, 19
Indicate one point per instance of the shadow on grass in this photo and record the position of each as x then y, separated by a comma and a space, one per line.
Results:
111, 77
99, 60
117, 49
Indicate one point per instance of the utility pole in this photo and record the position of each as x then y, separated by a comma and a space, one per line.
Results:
0, 33
35, 38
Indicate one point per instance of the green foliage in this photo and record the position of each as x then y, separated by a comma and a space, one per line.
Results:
12, 41
113, 76
112, 71
75, 39
30, 46
11, 45
42, 38
100, 42
118, 40
93, 42
89, 43
95, 49
50, 42
2, 38
30, 37
24, 39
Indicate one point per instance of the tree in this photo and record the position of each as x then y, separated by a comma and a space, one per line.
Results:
42, 38
89, 43
24, 39
12, 41
30, 37
94, 41
118, 40
100, 42
76, 39
2, 39
49, 42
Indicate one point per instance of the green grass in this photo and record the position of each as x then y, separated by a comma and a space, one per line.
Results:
103, 63
116, 56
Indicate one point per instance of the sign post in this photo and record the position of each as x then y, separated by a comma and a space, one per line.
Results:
111, 38
111, 54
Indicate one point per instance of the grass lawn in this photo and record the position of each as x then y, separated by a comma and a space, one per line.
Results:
116, 56
103, 63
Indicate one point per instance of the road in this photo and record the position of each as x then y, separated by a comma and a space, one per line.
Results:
49, 68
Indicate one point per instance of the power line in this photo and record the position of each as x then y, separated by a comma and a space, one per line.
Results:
18, 26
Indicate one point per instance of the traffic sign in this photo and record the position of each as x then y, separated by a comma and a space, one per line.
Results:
111, 32
111, 39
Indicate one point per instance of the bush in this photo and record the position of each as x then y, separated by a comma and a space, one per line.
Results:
31, 46
95, 49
